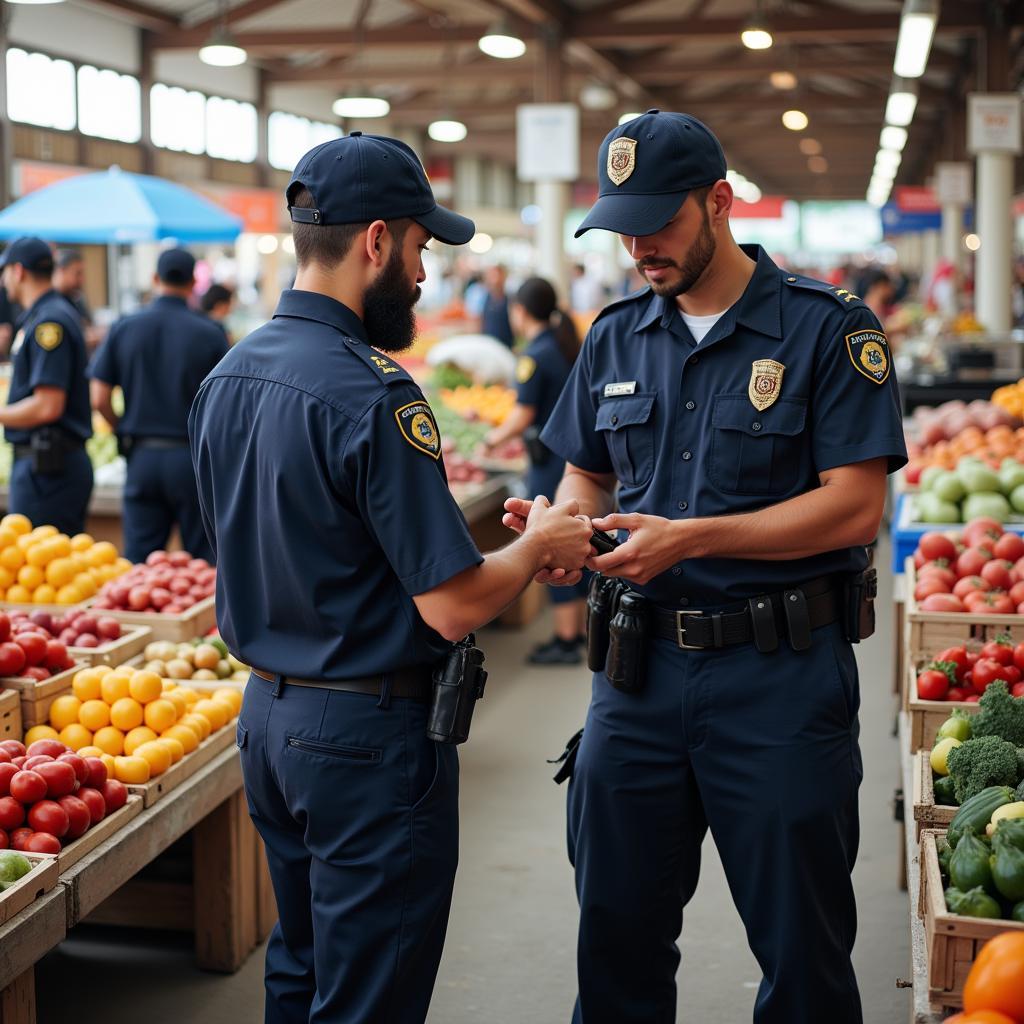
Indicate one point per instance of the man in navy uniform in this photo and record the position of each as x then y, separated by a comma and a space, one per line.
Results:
345, 571
47, 418
747, 418
158, 357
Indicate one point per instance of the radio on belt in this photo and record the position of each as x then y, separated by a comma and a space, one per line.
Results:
458, 684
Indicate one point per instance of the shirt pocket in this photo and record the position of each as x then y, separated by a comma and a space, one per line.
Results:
757, 452
628, 426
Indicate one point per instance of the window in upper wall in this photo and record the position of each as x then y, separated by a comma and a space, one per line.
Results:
109, 104
177, 118
291, 136
231, 129
40, 90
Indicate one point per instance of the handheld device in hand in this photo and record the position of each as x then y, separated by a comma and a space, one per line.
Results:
602, 543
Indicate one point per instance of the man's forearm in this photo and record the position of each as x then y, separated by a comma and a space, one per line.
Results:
594, 499
27, 414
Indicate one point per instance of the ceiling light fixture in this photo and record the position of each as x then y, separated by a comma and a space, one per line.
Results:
446, 130
888, 158
36, 3
893, 138
917, 28
795, 120
755, 34
502, 43
783, 80
597, 96
362, 107
817, 164
810, 147
902, 102
221, 50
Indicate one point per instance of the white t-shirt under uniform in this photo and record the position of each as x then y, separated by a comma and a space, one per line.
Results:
700, 325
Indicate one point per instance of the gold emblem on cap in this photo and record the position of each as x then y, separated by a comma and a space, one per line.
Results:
765, 383
621, 160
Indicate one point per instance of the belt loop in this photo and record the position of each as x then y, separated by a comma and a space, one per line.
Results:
716, 629
385, 692
278, 683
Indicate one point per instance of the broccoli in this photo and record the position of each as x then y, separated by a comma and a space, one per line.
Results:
1020, 765
1000, 715
979, 763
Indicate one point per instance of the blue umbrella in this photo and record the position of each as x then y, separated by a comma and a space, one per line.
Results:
113, 207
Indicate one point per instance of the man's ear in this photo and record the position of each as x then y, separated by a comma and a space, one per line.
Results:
721, 200
376, 243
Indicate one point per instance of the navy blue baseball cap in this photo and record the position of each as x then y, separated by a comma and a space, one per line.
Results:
32, 253
647, 167
362, 178
176, 266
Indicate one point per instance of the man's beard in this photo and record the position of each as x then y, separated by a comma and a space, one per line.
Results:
387, 308
693, 266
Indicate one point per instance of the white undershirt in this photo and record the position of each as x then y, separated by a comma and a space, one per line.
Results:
700, 325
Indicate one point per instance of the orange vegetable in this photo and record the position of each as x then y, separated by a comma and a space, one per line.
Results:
980, 1017
996, 981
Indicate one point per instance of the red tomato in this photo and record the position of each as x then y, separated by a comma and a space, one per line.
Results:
34, 646
984, 672
942, 603
115, 795
912, 472
97, 773
958, 656
994, 602
54, 748
5, 627
56, 656
28, 787
928, 585
19, 762
941, 572
93, 799
970, 584
1011, 675
995, 651
4, 841
972, 561
1017, 592
972, 698
12, 813
12, 747
60, 778
1018, 690
1009, 546
79, 765
49, 816
932, 685
998, 574
984, 529
937, 545
36, 672
35, 759
957, 693
79, 816
19, 837
12, 659
7, 772
42, 842
919, 559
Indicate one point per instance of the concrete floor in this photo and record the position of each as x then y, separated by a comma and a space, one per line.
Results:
510, 950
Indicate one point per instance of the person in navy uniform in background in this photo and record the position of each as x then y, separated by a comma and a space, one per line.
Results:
158, 357
748, 418
345, 571
494, 319
47, 418
542, 370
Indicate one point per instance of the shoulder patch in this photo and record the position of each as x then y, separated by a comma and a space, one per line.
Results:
525, 369
643, 293
418, 426
49, 335
844, 297
868, 350
386, 369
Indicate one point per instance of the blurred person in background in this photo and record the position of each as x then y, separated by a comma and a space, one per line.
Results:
494, 317
9, 314
69, 282
541, 373
217, 302
587, 294
877, 291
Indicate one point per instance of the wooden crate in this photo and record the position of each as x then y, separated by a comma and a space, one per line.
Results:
197, 621
10, 715
115, 652
952, 941
156, 788
41, 879
927, 813
37, 695
53, 609
99, 833
927, 715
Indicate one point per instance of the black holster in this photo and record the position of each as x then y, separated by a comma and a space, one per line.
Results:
860, 590
566, 760
125, 444
602, 602
458, 684
49, 449
538, 451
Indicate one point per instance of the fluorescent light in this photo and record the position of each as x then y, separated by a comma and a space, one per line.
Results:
888, 158
222, 51
756, 37
902, 102
795, 120
446, 131
36, 3
782, 80
893, 138
631, 116
810, 147
917, 27
502, 45
597, 96
361, 106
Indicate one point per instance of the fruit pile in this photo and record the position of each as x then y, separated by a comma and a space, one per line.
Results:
984, 874
947, 421
135, 722
58, 793
979, 571
462, 470
206, 659
168, 583
964, 673
42, 566
994, 990
973, 489
13, 867
79, 628
1010, 398
490, 403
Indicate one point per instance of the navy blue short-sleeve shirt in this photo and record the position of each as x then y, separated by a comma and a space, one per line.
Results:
323, 491
795, 379
49, 351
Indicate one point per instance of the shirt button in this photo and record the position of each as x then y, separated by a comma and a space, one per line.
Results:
691, 406
683, 506
615, 419
676, 571
790, 279
687, 456
683, 601
693, 360
755, 426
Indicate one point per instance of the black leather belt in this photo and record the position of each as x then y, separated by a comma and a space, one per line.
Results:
795, 611
24, 451
159, 444
413, 683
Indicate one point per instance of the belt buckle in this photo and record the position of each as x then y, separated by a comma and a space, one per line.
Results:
681, 631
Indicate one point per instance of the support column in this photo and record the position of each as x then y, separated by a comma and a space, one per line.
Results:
6, 136
992, 279
952, 235
262, 128
145, 87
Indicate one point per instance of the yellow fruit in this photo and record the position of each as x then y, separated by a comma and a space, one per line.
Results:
179, 702
939, 754
132, 770
206, 656
7, 537
122, 565
44, 594
199, 723
126, 713
110, 740
31, 576
108, 760
90, 751
174, 745
19, 595
187, 737
158, 756
44, 532
94, 714
76, 736
86, 685
139, 735
6, 578
12, 558
103, 553
81, 542
145, 686
160, 715
60, 546
64, 710
86, 585
40, 732
19, 524
230, 696
168, 684
60, 572
214, 710
69, 595
38, 554
190, 695
114, 687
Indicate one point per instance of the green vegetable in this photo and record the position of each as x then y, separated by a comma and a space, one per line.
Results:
969, 866
975, 903
450, 376
986, 503
1012, 830
928, 477
1019, 795
12, 868
1017, 913
945, 791
976, 477
944, 856
1000, 715
1011, 476
980, 763
932, 509
948, 487
977, 811
958, 726
1017, 499
1007, 864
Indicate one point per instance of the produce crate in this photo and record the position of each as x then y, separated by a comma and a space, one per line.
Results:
197, 621
150, 792
53, 609
927, 715
115, 652
952, 941
41, 879
10, 715
927, 813
37, 695
99, 833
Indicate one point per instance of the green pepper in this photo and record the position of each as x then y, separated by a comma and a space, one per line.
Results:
944, 856
1017, 913
969, 866
977, 903
945, 793
1012, 830
1007, 867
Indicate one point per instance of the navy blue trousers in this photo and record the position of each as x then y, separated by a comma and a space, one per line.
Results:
160, 490
761, 749
358, 811
55, 500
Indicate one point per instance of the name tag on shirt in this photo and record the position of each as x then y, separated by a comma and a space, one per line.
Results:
625, 387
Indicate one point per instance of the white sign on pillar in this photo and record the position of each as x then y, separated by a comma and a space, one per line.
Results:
953, 183
993, 123
548, 142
